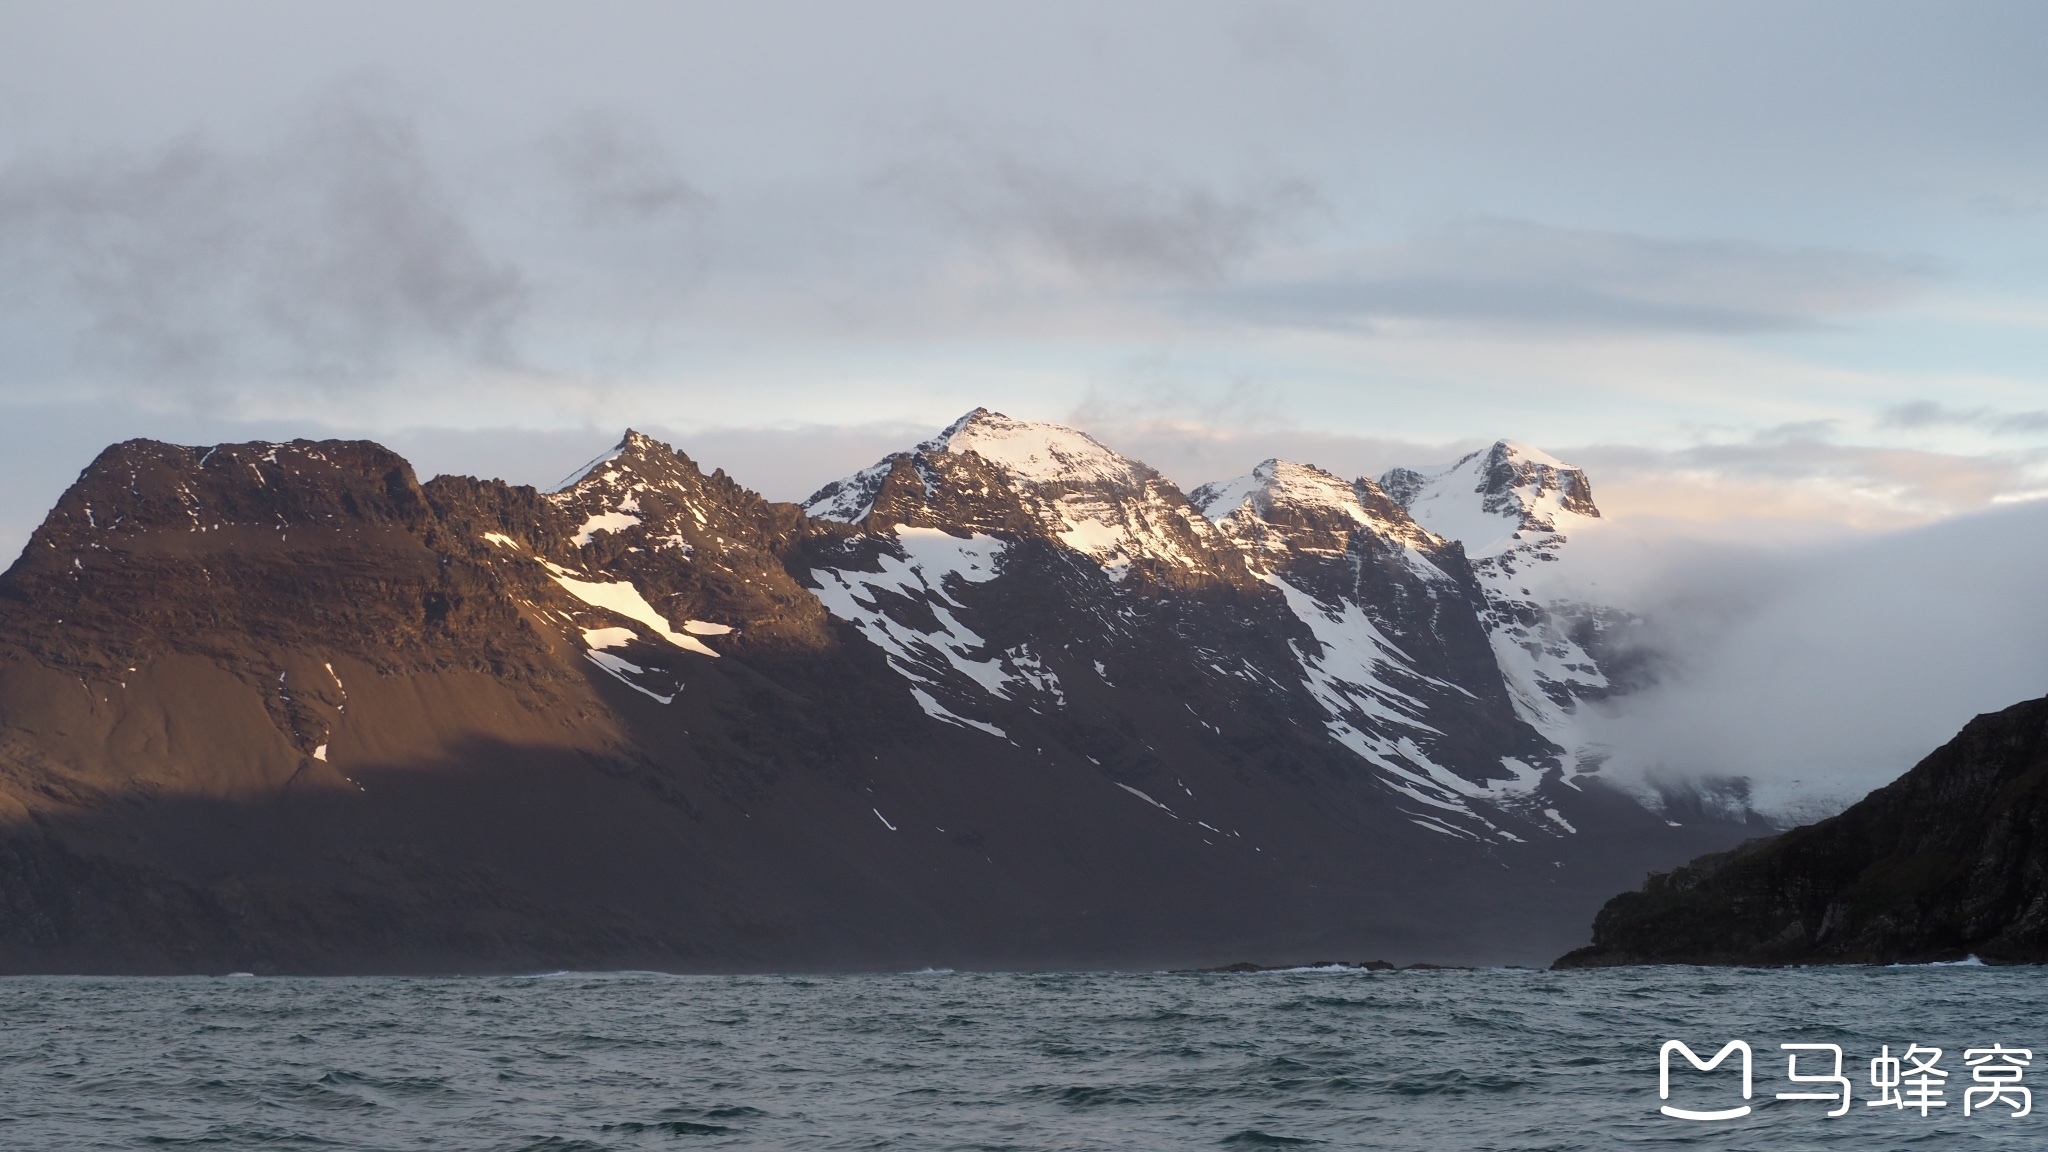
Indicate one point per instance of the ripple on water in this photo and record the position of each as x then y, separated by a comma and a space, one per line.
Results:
1516, 1062
1253, 1138
670, 1127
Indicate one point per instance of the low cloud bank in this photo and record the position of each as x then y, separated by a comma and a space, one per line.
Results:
1819, 674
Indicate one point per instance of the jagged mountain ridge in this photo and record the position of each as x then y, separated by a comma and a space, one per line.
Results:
1529, 504
1419, 663
1015, 700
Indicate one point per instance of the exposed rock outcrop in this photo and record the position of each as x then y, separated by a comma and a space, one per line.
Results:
1947, 861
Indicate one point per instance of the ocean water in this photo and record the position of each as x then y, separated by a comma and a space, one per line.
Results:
1339, 1059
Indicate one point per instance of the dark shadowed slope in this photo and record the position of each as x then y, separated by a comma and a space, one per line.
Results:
1951, 859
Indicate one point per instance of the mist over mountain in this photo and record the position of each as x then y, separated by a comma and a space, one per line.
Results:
1808, 675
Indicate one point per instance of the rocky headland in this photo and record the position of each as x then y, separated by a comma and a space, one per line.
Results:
1948, 861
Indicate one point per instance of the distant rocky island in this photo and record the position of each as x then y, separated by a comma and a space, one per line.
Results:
1006, 698
1948, 861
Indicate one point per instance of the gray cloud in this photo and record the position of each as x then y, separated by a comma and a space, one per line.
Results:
620, 172
333, 257
1519, 273
1288, 35
1821, 673
1105, 228
1928, 414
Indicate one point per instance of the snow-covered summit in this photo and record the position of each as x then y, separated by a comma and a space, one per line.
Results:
1279, 482
1113, 509
1282, 491
1026, 453
1036, 452
1514, 508
609, 489
1524, 453
645, 496
1490, 499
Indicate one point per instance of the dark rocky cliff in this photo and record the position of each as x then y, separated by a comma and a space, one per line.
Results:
1949, 860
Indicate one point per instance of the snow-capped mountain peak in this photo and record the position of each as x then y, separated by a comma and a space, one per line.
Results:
1516, 450
1025, 453
1490, 499
1280, 482
1035, 452
632, 444
1537, 485
1283, 492
987, 469
1514, 508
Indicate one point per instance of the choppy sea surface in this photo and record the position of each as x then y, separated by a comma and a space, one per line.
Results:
1496, 1059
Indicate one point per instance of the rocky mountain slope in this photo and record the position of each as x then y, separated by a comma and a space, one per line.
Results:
1006, 698
1949, 860
1528, 506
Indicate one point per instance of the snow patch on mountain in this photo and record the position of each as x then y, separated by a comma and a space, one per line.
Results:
1345, 673
1514, 508
1115, 528
909, 610
601, 638
1351, 674
597, 640
623, 670
623, 598
606, 522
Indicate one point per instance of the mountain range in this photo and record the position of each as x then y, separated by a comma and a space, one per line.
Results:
1006, 698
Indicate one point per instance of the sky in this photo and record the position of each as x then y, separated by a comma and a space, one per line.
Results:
1772, 272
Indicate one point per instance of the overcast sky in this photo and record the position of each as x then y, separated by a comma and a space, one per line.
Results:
1802, 244
1777, 269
